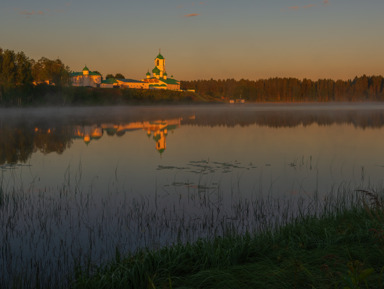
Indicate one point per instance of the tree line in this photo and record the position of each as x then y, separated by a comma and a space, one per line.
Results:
17, 69
363, 88
21, 79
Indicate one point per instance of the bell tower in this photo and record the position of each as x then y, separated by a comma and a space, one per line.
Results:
160, 63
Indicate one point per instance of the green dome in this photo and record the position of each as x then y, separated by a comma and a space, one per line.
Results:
165, 73
160, 56
156, 70
85, 68
148, 73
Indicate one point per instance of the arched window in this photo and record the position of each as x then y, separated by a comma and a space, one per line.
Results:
158, 62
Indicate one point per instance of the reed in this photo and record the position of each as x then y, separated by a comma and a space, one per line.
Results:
70, 236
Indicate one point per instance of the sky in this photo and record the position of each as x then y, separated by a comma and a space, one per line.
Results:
219, 39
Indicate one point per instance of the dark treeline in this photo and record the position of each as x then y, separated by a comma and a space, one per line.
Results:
16, 69
21, 77
364, 88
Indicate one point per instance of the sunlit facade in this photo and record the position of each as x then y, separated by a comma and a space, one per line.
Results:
159, 78
86, 78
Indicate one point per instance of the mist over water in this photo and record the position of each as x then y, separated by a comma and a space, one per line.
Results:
77, 183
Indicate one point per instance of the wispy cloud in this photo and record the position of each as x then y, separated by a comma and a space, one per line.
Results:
30, 13
295, 8
191, 15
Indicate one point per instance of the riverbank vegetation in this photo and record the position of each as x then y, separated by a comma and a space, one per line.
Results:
343, 249
48, 95
68, 238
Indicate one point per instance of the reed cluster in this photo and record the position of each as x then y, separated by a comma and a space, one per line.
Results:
72, 236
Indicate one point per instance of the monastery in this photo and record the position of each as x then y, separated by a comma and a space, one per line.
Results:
158, 80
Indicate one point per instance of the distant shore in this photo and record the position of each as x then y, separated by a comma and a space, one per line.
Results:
48, 95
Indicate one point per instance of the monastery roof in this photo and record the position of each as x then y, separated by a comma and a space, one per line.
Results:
109, 81
130, 80
169, 81
159, 56
81, 73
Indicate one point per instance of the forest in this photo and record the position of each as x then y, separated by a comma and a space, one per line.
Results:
24, 81
363, 88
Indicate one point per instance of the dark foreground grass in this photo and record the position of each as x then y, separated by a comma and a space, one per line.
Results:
342, 250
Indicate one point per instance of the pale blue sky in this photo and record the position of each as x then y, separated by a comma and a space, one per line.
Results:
202, 39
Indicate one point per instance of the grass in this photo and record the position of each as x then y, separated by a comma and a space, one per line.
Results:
339, 250
69, 237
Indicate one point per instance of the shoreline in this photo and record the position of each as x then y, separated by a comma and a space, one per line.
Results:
343, 249
45, 96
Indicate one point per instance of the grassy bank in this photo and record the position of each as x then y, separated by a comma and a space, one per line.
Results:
51, 95
339, 250
69, 237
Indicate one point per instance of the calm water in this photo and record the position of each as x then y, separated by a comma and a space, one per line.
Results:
77, 183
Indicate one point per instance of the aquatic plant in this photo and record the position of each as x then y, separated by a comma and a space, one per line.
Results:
47, 232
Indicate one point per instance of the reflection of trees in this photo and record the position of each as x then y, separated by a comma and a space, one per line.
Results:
19, 140
291, 118
53, 140
16, 144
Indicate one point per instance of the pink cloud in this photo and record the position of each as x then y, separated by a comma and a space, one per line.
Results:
325, 2
309, 6
46, 11
294, 8
30, 13
191, 15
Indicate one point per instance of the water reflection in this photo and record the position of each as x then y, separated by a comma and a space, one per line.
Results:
90, 180
30, 131
157, 129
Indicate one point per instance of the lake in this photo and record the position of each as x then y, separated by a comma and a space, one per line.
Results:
80, 184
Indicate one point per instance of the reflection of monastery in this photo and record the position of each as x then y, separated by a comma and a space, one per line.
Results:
158, 80
157, 129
